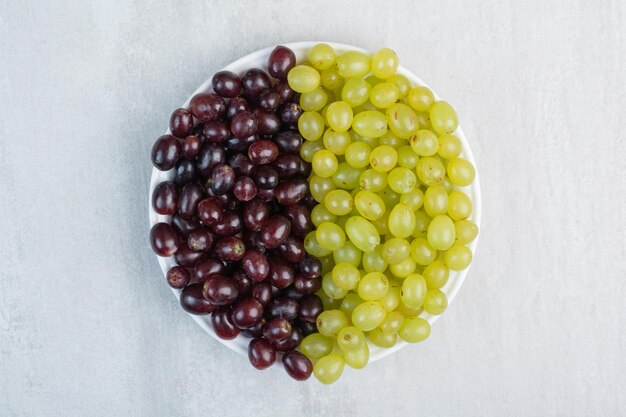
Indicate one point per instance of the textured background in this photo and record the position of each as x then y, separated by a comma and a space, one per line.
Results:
88, 326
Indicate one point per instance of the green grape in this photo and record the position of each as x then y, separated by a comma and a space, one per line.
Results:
353, 64
413, 199
392, 322
422, 220
466, 231
382, 224
441, 234
449, 146
401, 221
389, 196
461, 172
357, 154
442, 117
319, 187
384, 95
383, 158
339, 116
409, 312
348, 253
402, 120
309, 148
424, 120
421, 98
322, 56
329, 368
313, 247
330, 322
372, 80
311, 125
424, 142
459, 206
384, 63
328, 264
319, 215
430, 170
324, 163
391, 300
414, 330
373, 261
371, 142
447, 185
347, 177
435, 302
422, 252
436, 275
390, 139
338, 202
396, 250
329, 303
341, 220
407, 157
355, 91
330, 288
303, 79
331, 79
401, 180
370, 123
368, 315
349, 303
413, 291
374, 181
346, 276
458, 257
378, 338
316, 345
404, 268
373, 286
336, 142
314, 100
436, 200
330, 236
359, 358
403, 84
362, 233
350, 339
369, 205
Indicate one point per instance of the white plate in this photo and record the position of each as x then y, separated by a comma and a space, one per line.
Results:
258, 59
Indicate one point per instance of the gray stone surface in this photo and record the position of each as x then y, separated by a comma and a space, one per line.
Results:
88, 326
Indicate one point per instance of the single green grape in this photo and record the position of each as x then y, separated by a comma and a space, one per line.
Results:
421, 98
390, 139
314, 100
350, 338
383, 158
322, 56
391, 300
316, 345
330, 236
407, 157
392, 322
443, 117
320, 186
404, 268
436, 200
389, 196
396, 250
338, 202
319, 215
330, 322
358, 358
349, 303
401, 221
378, 338
414, 330
413, 291
461, 172
324, 163
369, 205
336, 142
373, 286
441, 234
329, 303
362, 233
369, 123
430, 170
384, 63
303, 79
347, 177
313, 247
346, 276
355, 91
402, 120
436, 275
422, 220
353, 64
413, 199
331, 79
368, 315
357, 154
459, 206
372, 180
329, 368
373, 261
339, 116
422, 252
449, 146
424, 142
401, 180
309, 148
403, 84
466, 231
458, 257
311, 125
348, 253
435, 302
384, 95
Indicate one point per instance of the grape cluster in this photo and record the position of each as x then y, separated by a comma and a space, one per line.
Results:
240, 209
